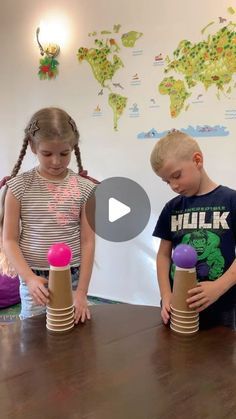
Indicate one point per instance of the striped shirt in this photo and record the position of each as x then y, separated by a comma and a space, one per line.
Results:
50, 213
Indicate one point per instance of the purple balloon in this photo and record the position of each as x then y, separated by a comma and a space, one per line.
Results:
59, 254
184, 256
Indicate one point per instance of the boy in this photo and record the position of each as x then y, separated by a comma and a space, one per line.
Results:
204, 216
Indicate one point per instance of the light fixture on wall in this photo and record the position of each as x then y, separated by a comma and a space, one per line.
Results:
51, 49
48, 64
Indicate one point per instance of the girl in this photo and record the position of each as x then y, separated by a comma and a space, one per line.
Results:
47, 205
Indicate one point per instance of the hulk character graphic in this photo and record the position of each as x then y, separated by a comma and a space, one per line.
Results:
210, 263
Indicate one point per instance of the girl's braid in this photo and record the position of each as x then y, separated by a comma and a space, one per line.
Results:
17, 166
81, 171
78, 158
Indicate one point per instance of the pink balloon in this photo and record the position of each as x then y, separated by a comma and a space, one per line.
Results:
59, 254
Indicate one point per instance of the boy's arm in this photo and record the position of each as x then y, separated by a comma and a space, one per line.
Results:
163, 267
87, 258
11, 232
208, 292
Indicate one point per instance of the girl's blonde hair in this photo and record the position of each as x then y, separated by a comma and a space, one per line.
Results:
46, 124
177, 145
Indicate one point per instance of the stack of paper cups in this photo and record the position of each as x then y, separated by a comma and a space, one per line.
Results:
183, 320
60, 309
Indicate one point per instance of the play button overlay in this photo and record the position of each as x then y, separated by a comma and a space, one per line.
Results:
122, 209
117, 210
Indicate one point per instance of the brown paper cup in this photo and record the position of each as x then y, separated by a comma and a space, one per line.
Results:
184, 320
191, 313
63, 329
60, 311
185, 326
184, 280
183, 332
60, 318
60, 325
60, 314
60, 289
184, 315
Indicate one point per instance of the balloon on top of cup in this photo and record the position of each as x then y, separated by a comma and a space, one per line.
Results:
185, 256
59, 254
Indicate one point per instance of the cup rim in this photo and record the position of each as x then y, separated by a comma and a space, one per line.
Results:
184, 333
62, 324
60, 314
185, 327
60, 309
60, 330
183, 322
71, 316
182, 311
196, 316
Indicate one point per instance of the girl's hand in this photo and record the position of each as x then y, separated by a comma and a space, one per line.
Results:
37, 290
165, 309
81, 307
204, 294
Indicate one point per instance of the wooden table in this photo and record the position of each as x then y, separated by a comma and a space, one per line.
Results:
122, 364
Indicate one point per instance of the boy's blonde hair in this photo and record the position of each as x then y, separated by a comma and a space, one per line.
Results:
177, 145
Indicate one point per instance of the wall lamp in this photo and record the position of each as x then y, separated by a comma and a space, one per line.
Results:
51, 49
48, 64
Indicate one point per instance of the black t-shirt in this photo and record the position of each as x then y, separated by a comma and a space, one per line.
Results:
208, 223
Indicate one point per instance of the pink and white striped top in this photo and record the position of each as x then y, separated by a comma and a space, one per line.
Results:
50, 213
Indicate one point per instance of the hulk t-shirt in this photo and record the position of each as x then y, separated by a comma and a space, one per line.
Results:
208, 223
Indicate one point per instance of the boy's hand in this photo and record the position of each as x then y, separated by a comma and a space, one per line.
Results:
81, 307
165, 309
37, 289
203, 295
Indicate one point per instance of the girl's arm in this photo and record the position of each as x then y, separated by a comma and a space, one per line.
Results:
163, 267
87, 236
11, 233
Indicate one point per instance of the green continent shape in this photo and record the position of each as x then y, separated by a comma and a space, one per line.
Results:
128, 39
102, 68
210, 62
118, 104
177, 93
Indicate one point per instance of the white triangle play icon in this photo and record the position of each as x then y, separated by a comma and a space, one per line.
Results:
117, 210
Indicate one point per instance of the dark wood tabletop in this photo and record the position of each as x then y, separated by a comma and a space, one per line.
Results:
122, 364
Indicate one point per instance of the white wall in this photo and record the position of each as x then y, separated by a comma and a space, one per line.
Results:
123, 271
